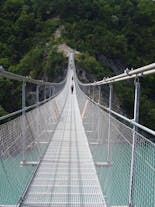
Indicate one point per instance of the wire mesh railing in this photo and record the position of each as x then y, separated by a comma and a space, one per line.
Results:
124, 156
24, 140
144, 172
112, 157
24, 93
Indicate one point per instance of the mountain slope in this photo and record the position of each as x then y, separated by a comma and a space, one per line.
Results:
110, 34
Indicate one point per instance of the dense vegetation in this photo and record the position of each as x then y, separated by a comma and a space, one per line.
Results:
116, 31
27, 47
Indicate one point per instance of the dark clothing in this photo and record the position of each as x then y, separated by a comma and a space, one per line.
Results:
72, 88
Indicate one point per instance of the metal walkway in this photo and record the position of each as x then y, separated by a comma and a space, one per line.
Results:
67, 175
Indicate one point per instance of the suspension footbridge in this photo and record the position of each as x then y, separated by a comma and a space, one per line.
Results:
71, 150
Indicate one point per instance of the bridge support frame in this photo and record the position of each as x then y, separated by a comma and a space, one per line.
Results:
89, 91
109, 123
136, 119
53, 90
37, 114
50, 91
93, 95
44, 92
99, 94
37, 95
23, 117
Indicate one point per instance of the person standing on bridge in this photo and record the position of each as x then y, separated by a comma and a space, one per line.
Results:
72, 88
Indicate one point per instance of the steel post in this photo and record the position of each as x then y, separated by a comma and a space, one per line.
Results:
99, 94
98, 124
93, 93
23, 116
37, 95
37, 117
53, 90
44, 92
89, 91
109, 123
136, 119
50, 91
23, 96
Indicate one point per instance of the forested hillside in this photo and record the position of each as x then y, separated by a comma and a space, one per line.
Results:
106, 32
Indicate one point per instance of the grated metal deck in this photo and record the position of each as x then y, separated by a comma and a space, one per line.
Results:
67, 175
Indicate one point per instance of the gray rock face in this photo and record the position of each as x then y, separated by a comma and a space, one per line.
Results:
116, 65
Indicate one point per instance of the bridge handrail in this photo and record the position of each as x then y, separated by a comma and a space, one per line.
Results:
128, 74
130, 121
25, 109
27, 79
123, 137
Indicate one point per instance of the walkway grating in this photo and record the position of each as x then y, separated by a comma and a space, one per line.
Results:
66, 175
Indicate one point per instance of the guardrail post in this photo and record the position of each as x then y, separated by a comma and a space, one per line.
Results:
93, 93
136, 119
23, 117
44, 92
50, 91
37, 95
99, 94
53, 90
38, 117
109, 124
89, 90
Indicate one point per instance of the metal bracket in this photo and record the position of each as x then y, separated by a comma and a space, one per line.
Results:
32, 164
103, 164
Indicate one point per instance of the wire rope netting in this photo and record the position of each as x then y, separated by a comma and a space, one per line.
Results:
144, 172
24, 140
111, 143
